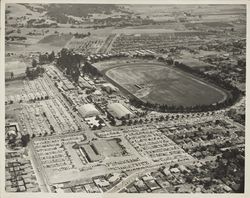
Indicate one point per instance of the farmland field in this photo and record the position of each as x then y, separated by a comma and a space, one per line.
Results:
16, 66
160, 84
14, 87
56, 40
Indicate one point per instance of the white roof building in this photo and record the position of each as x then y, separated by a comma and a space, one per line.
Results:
109, 87
88, 110
114, 178
119, 111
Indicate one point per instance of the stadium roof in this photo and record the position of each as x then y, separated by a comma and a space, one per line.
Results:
118, 110
88, 110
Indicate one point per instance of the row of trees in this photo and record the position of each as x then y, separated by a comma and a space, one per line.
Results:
14, 38
181, 109
81, 35
89, 69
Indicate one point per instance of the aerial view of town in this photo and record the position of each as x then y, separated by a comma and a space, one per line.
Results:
125, 98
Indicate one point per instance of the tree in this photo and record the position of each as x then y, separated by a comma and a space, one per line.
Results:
28, 72
189, 178
52, 128
34, 62
113, 122
25, 139
210, 136
130, 122
124, 122
75, 75
51, 56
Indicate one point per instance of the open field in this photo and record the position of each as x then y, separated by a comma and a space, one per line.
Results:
163, 85
16, 66
56, 40
13, 87
47, 42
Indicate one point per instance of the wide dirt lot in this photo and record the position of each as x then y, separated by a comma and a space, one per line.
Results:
14, 87
164, 85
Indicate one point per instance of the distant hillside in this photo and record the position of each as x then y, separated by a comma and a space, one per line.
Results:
60, 12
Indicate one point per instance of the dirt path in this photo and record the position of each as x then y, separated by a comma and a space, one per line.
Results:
111, 43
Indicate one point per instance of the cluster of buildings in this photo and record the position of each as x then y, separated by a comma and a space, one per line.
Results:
207, 139
19, 174
157, 42
230, 65
188, 178
97, 184
94, 99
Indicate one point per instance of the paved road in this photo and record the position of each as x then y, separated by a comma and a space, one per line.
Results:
140, 173
62, 100
38, 169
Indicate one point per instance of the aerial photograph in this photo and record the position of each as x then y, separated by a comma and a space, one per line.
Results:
125, 98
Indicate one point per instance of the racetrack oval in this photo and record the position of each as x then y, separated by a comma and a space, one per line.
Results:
156, 83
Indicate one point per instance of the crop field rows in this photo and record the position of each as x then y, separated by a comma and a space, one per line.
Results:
86, 45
